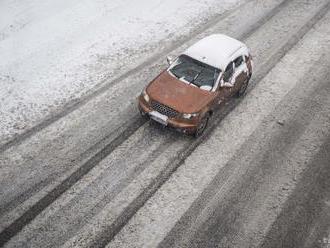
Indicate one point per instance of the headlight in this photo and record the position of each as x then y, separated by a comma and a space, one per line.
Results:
189, 116
145, 95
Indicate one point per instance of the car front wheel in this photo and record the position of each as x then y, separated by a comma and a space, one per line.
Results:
202, 126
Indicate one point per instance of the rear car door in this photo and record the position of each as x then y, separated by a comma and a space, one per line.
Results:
240, 72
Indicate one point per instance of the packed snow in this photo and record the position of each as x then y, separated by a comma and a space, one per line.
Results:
52, 52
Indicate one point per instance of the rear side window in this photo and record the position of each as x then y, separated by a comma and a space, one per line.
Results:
238, 61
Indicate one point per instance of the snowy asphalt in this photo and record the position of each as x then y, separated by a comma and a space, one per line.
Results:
101, 176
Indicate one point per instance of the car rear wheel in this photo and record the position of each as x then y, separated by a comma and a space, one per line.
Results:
202, 126
243, 87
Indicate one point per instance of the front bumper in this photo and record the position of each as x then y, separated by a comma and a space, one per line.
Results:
176, 123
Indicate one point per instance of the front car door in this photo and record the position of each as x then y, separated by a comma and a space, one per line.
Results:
227, 81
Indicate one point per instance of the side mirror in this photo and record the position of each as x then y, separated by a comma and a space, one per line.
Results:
170, 59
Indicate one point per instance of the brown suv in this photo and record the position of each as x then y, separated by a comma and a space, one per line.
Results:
208, 73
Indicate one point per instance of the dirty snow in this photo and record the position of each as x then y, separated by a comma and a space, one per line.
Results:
52, 52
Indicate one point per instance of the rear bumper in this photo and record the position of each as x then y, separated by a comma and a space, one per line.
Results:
177, 124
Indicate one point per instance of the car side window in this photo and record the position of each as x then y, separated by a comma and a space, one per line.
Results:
228, 72
238, 61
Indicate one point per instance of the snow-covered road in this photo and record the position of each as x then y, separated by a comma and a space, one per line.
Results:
54, 52
100, 175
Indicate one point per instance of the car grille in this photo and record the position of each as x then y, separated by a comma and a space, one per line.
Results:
163, 109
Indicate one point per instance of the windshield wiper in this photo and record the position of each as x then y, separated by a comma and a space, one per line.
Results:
174, 74
197, 75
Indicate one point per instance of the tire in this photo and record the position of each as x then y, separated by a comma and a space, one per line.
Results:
243, 88
202, 126
143, 115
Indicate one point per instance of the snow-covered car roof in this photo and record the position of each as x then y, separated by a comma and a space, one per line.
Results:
216, 50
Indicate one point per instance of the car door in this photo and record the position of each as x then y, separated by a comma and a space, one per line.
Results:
227, 79
240, 73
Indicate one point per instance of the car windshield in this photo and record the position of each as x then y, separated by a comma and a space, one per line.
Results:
194, 72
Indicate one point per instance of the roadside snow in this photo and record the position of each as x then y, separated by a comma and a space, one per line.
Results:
52, 52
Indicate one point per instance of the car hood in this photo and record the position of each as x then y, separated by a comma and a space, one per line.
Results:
178, 95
